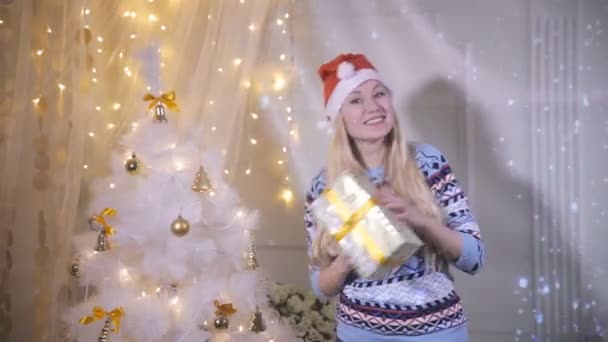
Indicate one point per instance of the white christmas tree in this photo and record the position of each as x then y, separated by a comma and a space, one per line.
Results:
169, 255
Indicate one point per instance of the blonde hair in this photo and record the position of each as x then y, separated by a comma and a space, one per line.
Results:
401, 172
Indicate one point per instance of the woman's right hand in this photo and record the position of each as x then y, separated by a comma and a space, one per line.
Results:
332, 277
342, 263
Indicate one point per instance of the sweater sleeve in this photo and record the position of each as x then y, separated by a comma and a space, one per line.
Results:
314, 271
453, 202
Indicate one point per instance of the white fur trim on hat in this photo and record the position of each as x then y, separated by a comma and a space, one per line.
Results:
346, 86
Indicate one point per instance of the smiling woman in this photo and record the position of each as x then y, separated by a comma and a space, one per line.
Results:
417, 300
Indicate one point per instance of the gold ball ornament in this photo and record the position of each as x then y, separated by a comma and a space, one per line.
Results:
180, 226
133, 165
75, 268
221, 323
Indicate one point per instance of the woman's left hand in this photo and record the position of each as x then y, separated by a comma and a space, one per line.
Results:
404, 210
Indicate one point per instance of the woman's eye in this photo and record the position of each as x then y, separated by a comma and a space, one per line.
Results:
355, 101
380, 94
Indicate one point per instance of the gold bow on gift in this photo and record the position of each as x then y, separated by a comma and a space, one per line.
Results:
107, 229
352, 221
99, 313
168, 99
226, 309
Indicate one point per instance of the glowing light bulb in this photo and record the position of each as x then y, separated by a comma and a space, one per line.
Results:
85, 166
39, 52
279, 83
251, 27
61, 87
163, 27
280, 162
253, 141
211, 102
282, 57
286, 15
86, 11
292, 132
100, 39
143, 293
91, 134
116, 106
94, 80
248, 171
289, 118
240, 328
284, 149
48, 28
152, 18
247, 84
237, 61
220, 69
226, 172
111, 125
179, 166
287, 195
157, 289
36, 101
213, 128
254, 116
128, 71
94, 70
99, 51
288, 109
174, 301
279, 22
133, 36
97, 108
173, 146
112, 186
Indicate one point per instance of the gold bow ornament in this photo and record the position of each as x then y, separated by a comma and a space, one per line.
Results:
99, 313
168, 99
98, 222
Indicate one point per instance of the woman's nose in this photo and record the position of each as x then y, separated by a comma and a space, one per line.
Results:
371, 106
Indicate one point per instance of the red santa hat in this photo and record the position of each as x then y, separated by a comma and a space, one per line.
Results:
341, 76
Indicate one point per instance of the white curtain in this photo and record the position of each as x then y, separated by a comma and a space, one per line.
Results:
514, 93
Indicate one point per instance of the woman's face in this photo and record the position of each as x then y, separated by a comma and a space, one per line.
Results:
368, 111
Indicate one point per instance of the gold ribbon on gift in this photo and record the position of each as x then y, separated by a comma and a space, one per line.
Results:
168, 99
352, 221
99, 313
225, 309
108, 230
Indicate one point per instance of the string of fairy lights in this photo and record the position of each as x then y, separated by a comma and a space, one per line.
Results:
279, 84
281, 90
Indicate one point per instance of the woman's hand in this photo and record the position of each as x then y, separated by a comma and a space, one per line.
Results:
342, 264
433, 232
404, 210
332, 277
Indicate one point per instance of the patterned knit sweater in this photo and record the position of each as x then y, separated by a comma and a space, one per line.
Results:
411, 300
